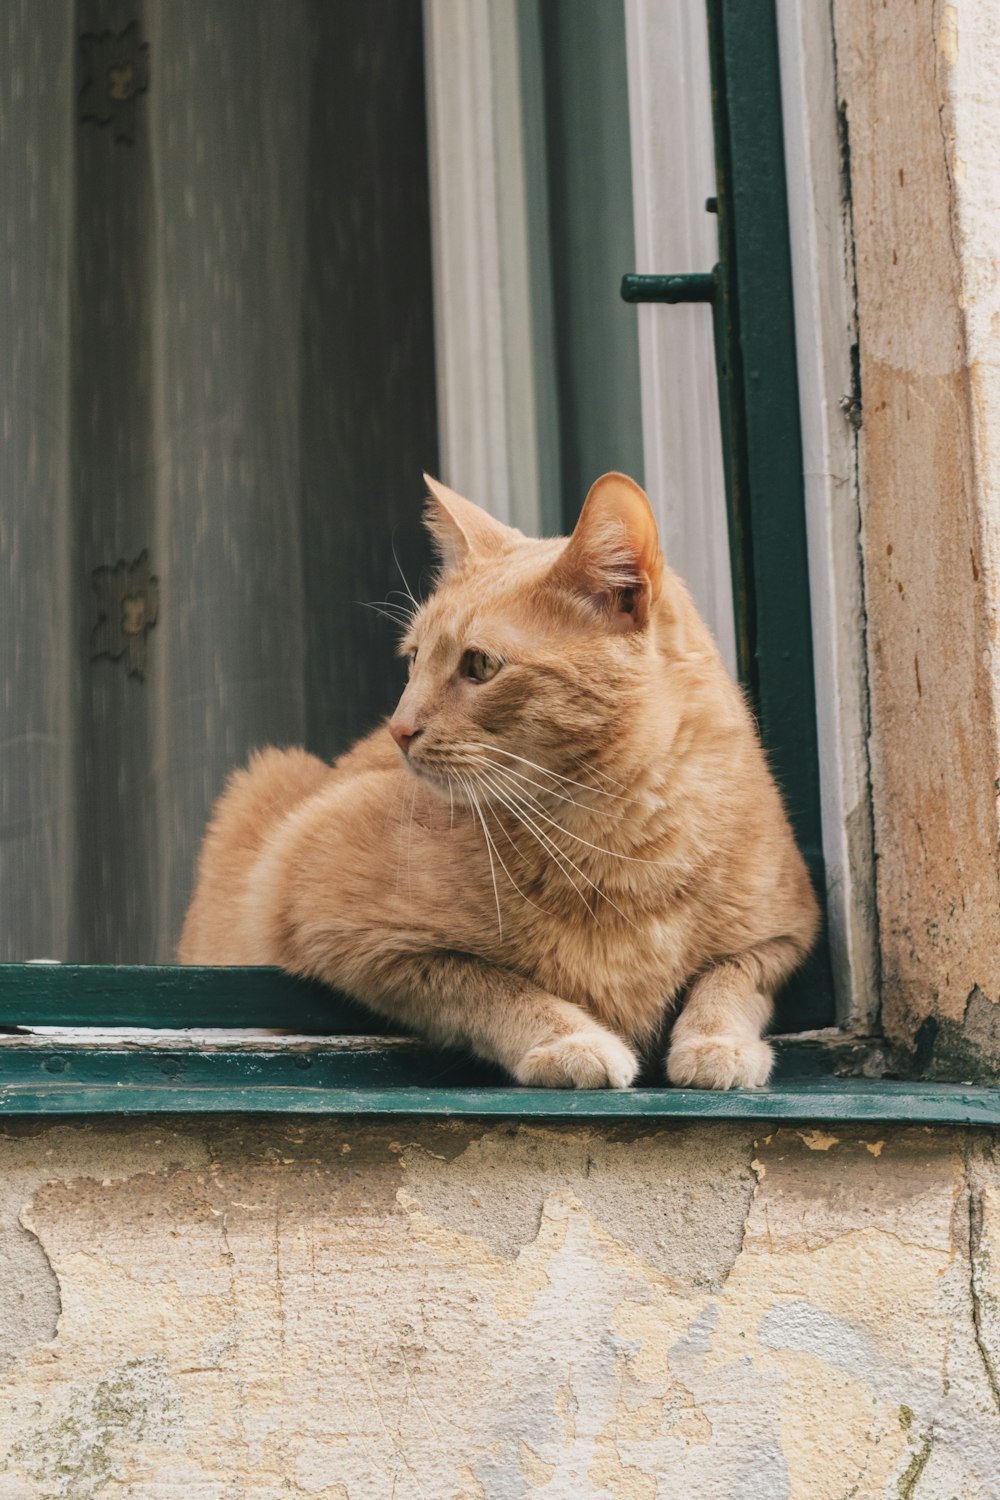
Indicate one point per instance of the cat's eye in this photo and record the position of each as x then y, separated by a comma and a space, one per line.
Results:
480, 665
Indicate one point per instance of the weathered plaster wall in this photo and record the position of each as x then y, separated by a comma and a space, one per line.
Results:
919, 90
460, 1312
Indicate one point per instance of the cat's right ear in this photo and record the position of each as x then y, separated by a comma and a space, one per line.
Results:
613, 558
459, 529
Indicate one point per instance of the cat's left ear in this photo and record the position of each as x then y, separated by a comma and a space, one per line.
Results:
460, 529
613, 557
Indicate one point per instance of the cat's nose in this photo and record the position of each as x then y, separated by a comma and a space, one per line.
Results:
403, 734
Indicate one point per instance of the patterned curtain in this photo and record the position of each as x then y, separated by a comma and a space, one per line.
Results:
216, 398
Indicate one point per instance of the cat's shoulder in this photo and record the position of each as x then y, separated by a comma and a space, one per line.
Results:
375, 752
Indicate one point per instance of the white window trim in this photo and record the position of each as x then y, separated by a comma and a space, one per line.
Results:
673, 173
824, 322
494, 385
492, 395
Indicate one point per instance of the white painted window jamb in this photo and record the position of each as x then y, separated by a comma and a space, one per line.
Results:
491, 374
824, 324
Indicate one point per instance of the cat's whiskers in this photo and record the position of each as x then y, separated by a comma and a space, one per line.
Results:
524, 813
549, 848
596, 771
389, 603
550, 791
411, 608
547, 844
406, 586
517, 780
519, 852
525, 809
489, 850
636, 859
473, 764
503, 829
396, 619
555, 775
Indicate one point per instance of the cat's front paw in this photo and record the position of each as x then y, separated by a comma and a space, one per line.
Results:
719, 1062
592, 1059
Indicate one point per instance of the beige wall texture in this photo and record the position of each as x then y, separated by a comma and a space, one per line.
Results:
455, 1311
919, 88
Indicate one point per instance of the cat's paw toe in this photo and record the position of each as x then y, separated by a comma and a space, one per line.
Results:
582, 1060
719, 1062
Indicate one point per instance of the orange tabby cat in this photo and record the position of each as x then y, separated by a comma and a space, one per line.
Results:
567, 826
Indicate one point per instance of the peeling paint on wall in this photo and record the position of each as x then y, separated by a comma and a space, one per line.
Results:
452, 1310
29, 1291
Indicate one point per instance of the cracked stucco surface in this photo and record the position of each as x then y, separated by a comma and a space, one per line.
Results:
456, 1311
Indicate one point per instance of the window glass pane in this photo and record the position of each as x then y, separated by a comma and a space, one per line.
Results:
216, 312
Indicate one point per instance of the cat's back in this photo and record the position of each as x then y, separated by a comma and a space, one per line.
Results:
253, 804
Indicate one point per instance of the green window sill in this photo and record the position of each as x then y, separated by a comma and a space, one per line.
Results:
331, 1064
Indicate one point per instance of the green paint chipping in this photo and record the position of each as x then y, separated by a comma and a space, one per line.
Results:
916, 1466
74, 1457
905, 1418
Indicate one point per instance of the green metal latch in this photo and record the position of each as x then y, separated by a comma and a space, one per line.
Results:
710, 287
699, 286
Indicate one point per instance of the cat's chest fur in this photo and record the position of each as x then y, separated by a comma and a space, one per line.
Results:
620, 947
622, 971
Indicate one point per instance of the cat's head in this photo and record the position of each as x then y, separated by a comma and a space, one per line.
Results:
531, 657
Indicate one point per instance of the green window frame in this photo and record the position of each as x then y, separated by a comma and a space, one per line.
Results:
334, 1062
749, 291
354, 1073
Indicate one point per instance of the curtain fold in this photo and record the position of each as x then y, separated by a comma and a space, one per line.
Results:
216, 408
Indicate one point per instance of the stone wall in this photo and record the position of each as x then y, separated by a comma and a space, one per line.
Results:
455, 1311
